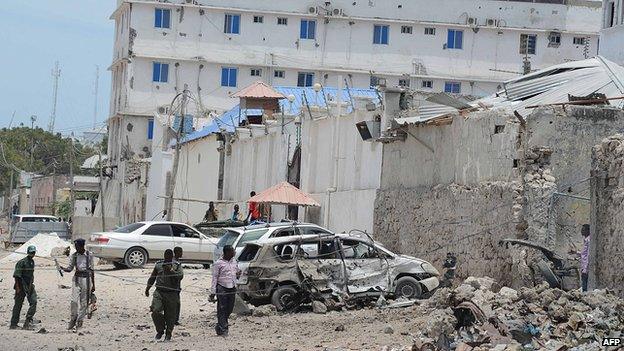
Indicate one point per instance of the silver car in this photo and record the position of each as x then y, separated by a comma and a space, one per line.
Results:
138, 243
282, 270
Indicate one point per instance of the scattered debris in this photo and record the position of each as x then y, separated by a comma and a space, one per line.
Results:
240, 307
42, 331
340, 328
388, 330
263, 311
319, 307
530, 318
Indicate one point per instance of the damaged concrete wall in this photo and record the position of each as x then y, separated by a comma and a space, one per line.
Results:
607, 235
428, 222
570, 134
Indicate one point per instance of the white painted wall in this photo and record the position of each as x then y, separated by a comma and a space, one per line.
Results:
358, 171
612, 33
343, 45
197, 179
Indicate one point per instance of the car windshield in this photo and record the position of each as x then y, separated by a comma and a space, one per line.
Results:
129, 228
251, 236
228, 238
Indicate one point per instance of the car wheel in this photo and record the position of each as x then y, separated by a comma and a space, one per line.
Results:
136, 257
284, 298
408, 287
119, 265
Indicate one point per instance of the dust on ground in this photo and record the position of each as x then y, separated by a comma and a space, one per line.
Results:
123, 320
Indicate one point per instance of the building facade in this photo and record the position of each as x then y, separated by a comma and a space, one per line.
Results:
216, 47
612, 33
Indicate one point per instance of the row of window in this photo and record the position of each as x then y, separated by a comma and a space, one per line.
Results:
229, 78
381, 33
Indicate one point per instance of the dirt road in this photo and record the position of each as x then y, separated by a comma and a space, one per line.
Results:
123, 321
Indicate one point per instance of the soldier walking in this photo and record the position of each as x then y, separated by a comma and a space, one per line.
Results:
167, 275
177, 255
25, 288
83, 283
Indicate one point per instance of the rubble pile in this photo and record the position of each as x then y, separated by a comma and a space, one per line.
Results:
479, 315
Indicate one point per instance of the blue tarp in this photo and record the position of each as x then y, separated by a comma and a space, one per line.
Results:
231, 119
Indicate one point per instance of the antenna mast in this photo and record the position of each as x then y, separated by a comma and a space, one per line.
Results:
56, 74
95, 93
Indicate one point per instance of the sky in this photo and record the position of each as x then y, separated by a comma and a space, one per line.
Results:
35, 34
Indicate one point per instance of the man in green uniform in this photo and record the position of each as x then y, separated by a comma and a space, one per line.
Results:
25, 288
166, 275
178, 252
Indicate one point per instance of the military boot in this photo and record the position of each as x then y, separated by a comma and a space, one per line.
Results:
28, 324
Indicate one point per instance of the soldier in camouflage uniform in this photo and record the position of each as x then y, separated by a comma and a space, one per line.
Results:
25, 288
167, 275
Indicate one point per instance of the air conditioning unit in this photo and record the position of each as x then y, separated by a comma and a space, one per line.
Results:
471, 21
492, 22
337, 12
163, 110
313, 10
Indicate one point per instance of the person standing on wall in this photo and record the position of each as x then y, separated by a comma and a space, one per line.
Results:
83, 283
254, 210
585, 257
211, 213
225, 272
236, 214
24, 288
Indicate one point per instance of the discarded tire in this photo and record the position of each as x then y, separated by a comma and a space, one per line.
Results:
284, 298
408, 287
135, 257
548, 274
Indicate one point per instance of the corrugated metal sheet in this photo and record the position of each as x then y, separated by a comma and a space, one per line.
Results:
548, 86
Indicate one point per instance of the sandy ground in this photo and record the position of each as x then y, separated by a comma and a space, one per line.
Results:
123, 321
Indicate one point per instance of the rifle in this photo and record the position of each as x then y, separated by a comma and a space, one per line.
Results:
58, 267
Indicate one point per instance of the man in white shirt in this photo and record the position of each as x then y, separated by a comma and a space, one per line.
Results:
225, 272
83, 283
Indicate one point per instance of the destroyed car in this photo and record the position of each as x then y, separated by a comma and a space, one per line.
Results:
25, 227
293, 270
238, 237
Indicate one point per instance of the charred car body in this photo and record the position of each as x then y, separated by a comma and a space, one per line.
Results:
292, 270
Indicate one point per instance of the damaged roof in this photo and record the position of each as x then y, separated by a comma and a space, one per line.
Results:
229, 120
548, 86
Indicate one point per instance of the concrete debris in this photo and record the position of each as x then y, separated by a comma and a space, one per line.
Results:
388, 330
263, 311
319, 307
42, 331
240, 307
340, 328
531, 318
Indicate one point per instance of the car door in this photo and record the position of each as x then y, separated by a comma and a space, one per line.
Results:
366, 267
189, 240
320, 263
156, 239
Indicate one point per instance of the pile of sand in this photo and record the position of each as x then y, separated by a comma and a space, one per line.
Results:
48, 245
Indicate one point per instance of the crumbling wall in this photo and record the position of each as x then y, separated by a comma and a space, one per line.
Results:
570, 132
468, 220
607, 234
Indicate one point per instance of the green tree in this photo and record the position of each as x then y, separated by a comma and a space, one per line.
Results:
38, 151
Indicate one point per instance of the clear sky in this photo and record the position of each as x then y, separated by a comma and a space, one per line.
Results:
36, 33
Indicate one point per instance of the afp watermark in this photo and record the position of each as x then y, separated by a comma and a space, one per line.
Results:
612, 341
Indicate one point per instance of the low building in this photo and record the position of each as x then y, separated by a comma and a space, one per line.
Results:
612, 32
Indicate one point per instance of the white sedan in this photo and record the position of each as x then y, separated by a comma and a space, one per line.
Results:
137, 243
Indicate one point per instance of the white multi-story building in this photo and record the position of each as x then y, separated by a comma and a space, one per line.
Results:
612, 33
217, 47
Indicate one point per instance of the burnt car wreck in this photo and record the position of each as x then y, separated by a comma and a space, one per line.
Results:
338, 270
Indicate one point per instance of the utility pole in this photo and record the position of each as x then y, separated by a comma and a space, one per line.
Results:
56, 74
95, 93
72, 199
176, 156
102, 201
33, 118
